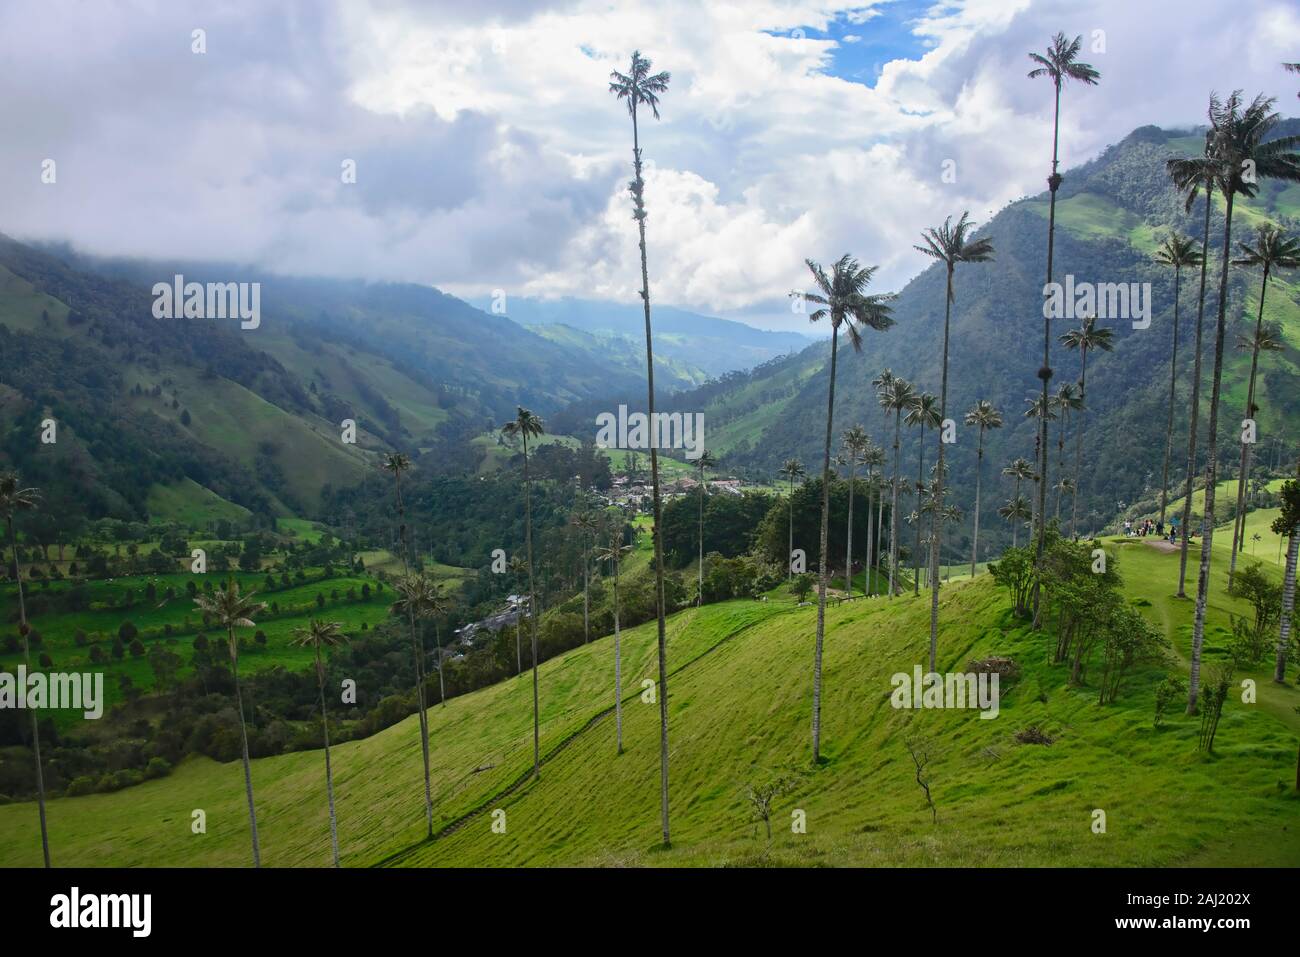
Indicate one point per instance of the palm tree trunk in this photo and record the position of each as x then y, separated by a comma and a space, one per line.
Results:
936, 517
618, 664
1060, 458
825, 558
1015, 521
1078, 440
1173, 380
700, 596
1045, 373
867, 566
920, 485
586, 585
658, 508
243, 738
1196, 404
1243, 471
329, 774
789, 558
848, 549
1288, 605
27, 658
418, 656
1211, 468
979, 477
532, 607
893, 509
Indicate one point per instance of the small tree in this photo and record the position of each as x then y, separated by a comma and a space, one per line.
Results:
921, 749
1172, 689
1213, 696
802, 585
762, 795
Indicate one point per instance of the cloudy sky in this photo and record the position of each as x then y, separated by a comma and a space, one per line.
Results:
490, 155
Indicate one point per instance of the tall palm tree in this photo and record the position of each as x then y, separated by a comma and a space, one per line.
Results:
1021, 471
984, 417
1089, 337
14, 499
613, 553
398, 464
640, 87
925, 414
1060, 65
792, 469
1179, 252
328, 634
895, 395
855, 444
1245, 154
949, 244
705, 462
1066, 400
842, 300
1191, 176
230, 610
522, 427
1272, 251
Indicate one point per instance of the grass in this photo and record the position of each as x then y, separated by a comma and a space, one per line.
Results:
739, 712
192, 505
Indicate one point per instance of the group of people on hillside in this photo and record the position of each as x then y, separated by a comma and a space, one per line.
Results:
1153, 528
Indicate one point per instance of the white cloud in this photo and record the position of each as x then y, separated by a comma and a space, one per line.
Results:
490, 154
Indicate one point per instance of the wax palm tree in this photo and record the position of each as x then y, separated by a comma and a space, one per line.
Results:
950, 244
792, 470
924, 414
397, 464
328, 634
1191, 176
1021, 471
705, 462
842, 300
639, 87
613, 553
14, 499
1060, 65
228, 609
984, 417
873, 457
1179, 252
1066, 400
1089, 337
895, 395
585, 524
522, 427
1245, 154
854, 443
1272, 251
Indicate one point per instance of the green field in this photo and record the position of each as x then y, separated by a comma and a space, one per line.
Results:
740, 676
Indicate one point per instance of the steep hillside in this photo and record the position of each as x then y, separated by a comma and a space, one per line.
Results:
1111, 213
253, 417
1000, 802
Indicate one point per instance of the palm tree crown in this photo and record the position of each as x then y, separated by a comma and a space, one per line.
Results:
638, 86
843, 299
1060, 63
952, 244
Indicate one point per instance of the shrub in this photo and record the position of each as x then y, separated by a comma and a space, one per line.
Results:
157, 768
81, 785
1033, 735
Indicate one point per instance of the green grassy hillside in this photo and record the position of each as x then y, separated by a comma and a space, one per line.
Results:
740, 707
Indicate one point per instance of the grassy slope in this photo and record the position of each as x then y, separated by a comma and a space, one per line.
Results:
1000, 803
192, 505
